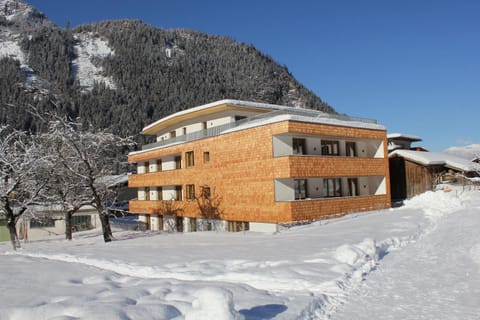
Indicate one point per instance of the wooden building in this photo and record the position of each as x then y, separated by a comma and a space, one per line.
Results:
270, 164
414, 172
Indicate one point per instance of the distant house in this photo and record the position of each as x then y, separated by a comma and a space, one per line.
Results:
46, 220
49, 220
270, 164
413, 172
401, 141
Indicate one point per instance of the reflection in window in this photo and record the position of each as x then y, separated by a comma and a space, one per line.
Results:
298, 146
351, 149
353, 187
332, 187
300, 186
330, 148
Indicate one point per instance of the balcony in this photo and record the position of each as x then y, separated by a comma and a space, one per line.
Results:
218, 130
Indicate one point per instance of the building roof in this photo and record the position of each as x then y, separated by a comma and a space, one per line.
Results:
404, 137
436, 158
261, 108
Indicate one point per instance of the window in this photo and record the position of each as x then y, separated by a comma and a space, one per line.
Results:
332, 187
42, 222
147, 193
160, 193
206, 157
178, 162
204, 125
193, 224
179, 223
298, 146
206, 192
300, 186
184, 131
190, 159
351, 149
147, 167
173, 134
353, 187
178, 193
330, 148
159, 164
190, 192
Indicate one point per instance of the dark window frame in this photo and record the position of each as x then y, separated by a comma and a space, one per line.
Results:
300, 187
332, 187
299, 146
329, 146
189, 159
349, 146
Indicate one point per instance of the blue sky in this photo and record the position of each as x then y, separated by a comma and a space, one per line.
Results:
414, 65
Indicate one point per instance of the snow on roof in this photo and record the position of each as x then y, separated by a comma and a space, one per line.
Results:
403, 136
268, 119
340, 120
113, 180
436, 158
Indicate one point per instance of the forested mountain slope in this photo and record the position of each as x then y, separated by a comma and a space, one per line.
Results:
125, 74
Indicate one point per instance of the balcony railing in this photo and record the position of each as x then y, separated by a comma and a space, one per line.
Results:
215, 131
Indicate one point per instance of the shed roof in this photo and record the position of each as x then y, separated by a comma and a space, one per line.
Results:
437, 158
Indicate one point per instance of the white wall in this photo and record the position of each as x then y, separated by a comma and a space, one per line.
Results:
169, 193
263, 227
282, 146
313, 146
141, 167
315, 188
284, 190
153, 193
195, 124
381, 185
364, 186
168, 163
141, 194
156, 222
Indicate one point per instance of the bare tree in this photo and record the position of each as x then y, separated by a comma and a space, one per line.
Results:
85, 155
209, 204
21, 163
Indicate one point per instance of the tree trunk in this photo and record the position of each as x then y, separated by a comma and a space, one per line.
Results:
12, 228
107, 231
68, 225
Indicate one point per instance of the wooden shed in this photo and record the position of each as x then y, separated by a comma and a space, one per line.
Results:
414, 172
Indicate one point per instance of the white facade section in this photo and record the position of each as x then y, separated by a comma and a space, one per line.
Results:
169, 193
153, 193
156, 223
141, 194
141, 168
202, 123
316, 187
283, 146
263, 227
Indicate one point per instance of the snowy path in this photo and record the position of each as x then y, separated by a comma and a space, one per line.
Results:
436, 278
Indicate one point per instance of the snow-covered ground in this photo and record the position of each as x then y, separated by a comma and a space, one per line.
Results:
88, 48
420, 261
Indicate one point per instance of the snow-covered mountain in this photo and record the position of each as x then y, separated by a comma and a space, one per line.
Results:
469, 152
108, 71
19, 17
89, 48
